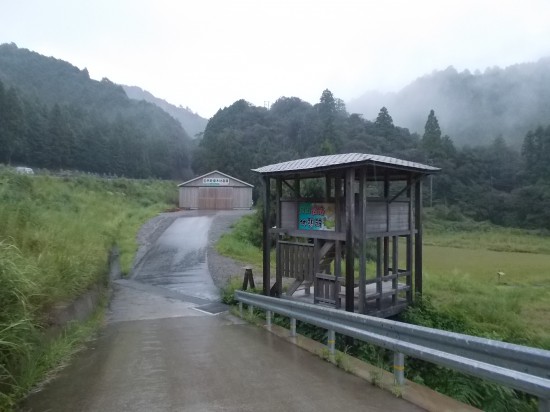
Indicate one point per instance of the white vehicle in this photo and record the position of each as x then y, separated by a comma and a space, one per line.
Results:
24, 170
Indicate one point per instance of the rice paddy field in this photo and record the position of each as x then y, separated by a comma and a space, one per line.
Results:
497, 279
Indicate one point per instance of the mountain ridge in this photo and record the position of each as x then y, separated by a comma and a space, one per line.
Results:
192, 123
54, 116
472, 108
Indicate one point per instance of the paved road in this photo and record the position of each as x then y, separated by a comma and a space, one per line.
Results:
162, 351
177, 261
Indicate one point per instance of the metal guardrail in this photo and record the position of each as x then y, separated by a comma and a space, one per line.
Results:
519, 367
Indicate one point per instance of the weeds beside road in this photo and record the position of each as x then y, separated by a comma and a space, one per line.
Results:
55, 235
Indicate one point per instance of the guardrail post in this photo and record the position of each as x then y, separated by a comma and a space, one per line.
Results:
544, 405
268, 319
250, 310
399, 368
331, 340
241, 309
292, 327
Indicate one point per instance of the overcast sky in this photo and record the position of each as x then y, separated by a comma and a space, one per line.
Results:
206, 54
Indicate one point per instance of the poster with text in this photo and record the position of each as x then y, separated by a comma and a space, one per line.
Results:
316, 216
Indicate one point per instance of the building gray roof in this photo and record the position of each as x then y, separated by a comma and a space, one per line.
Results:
339, 161
212, 172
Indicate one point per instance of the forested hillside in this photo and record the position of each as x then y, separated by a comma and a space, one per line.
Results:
472, 107
191, 122
53, 115
491, 182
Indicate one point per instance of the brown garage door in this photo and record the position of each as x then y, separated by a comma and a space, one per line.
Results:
216, 198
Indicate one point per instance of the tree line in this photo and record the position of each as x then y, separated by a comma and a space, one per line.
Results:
491, 182
52, 115
472, 107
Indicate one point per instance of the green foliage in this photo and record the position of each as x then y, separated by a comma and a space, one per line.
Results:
55, 236
473, 391
432, 133
384, 122
228, 291
52, 115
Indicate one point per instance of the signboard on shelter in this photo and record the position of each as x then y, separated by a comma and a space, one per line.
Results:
316, 216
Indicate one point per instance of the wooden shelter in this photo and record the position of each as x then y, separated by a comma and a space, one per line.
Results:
215, 191
357, 241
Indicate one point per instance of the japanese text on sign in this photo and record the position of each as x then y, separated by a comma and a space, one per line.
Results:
215, 181
316, 216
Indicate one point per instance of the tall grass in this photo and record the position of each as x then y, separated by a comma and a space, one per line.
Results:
55, 234
244, 241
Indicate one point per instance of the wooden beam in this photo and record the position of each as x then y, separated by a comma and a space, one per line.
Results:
292, 189
379, 274
314, 234
386, 238
266, 238
350, 224
297, 187
407, 188
338, 203
362, 239
409, 240
395, 266
337, 270
328, 188
418, 237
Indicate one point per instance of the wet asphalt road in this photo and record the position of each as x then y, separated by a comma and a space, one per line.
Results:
177, 261
162, 351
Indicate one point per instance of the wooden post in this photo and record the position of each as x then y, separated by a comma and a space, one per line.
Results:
350, 224
395, 268
337, 203
386, 238
297, 188
278, 270
316, 261
248, 278
379, 270
409, 253
362, 240
337, 228
266, 239
328, 188
418, 237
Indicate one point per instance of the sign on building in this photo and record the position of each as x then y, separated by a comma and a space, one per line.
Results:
215, 181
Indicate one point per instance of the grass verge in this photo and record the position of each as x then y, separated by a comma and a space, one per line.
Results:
55, 235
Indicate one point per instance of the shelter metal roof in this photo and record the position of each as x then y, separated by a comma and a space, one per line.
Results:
340, 161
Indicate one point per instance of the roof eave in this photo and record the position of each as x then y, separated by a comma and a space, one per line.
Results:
319, 170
